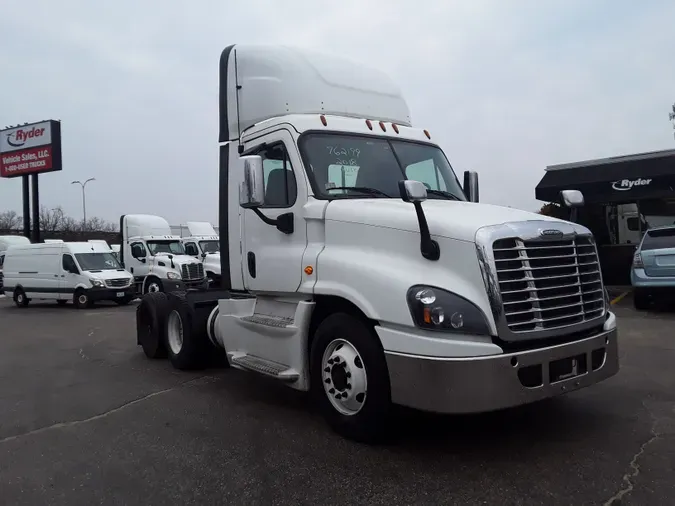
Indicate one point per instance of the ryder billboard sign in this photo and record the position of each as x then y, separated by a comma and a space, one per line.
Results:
30, 149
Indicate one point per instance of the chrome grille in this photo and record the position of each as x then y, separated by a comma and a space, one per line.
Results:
117, 283
548, 284
192, 271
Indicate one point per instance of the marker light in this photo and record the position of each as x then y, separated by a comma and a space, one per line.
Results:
384, 129
395, 127
426, 132
369, 124
323, 120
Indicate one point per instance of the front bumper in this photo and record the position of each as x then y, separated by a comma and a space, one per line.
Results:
487, 383
96, 294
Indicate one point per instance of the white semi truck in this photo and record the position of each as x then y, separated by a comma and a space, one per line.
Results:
155, 257
355, 266
202, 242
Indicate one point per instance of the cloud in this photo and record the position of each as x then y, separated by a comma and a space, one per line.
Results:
506, 88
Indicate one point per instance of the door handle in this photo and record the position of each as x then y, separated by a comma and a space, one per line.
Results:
251, 263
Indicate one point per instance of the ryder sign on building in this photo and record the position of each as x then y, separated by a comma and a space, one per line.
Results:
30, 149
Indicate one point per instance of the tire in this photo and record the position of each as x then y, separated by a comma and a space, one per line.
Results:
186, 345
81, 299
365, 410
641, 300
20, 298
150, 321
152, 285
61, 302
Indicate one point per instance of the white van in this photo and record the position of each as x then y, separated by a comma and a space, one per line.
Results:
5, 242
84, 272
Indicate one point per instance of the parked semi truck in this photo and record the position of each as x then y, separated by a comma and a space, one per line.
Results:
356, 266
202, 242
154, 256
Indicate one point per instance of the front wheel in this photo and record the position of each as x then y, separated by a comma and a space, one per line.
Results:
350, 379
153, 285
81, 300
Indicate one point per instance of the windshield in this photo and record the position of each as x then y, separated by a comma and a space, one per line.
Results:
97, 261
659, 239
342, 160
209, 246
169, 247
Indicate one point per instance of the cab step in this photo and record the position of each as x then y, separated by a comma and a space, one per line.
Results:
264, 367
269, 320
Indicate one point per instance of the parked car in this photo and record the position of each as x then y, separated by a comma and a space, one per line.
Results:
653, 271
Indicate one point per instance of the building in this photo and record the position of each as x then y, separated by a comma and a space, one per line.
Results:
625, 195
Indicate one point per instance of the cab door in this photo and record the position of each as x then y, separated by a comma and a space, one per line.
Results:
271, 259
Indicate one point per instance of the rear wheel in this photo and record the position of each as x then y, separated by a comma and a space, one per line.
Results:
150, 322
641, 300
20, 298
350, 379
186, 345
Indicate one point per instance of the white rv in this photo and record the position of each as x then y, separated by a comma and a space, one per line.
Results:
360, 268
155, 257
202, 242
81, 272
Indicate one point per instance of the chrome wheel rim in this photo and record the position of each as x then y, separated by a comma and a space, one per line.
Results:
175, 332
345, 381
153, 287
82, 299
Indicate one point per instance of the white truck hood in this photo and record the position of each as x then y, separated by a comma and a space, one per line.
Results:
177, 259
446, 218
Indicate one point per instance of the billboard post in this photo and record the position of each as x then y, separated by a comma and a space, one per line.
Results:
30, 150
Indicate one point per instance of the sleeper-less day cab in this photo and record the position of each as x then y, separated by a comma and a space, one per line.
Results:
202, 242
81, 272
155, 256
356, 265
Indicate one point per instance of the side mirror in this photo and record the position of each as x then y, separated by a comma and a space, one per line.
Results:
471, 185
412, 191
251, 191
203, 255
416, 192
572, 198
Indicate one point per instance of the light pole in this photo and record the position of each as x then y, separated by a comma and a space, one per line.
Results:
84, 201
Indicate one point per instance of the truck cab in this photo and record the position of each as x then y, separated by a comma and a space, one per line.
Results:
202, 242
155, 257
356, 265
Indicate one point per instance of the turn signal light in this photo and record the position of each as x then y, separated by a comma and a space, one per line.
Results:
309, 270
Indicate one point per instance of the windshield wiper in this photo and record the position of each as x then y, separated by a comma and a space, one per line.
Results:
445, 194
361, 189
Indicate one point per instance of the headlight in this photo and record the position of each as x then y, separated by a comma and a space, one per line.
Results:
436, 309
97, 282
173, 275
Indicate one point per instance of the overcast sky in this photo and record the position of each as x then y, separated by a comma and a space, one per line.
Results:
505, 87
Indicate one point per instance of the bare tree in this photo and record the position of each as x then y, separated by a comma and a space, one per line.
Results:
51, 219
10, 220
98, 225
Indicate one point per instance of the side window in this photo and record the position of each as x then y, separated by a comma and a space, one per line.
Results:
138, 250
426, 172
191, 249
69, 264
279, 180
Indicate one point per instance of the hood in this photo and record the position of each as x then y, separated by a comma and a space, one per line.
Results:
446, 218
177, 259
109, 274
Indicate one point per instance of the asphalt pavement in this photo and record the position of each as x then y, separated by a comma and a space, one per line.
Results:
86, 419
